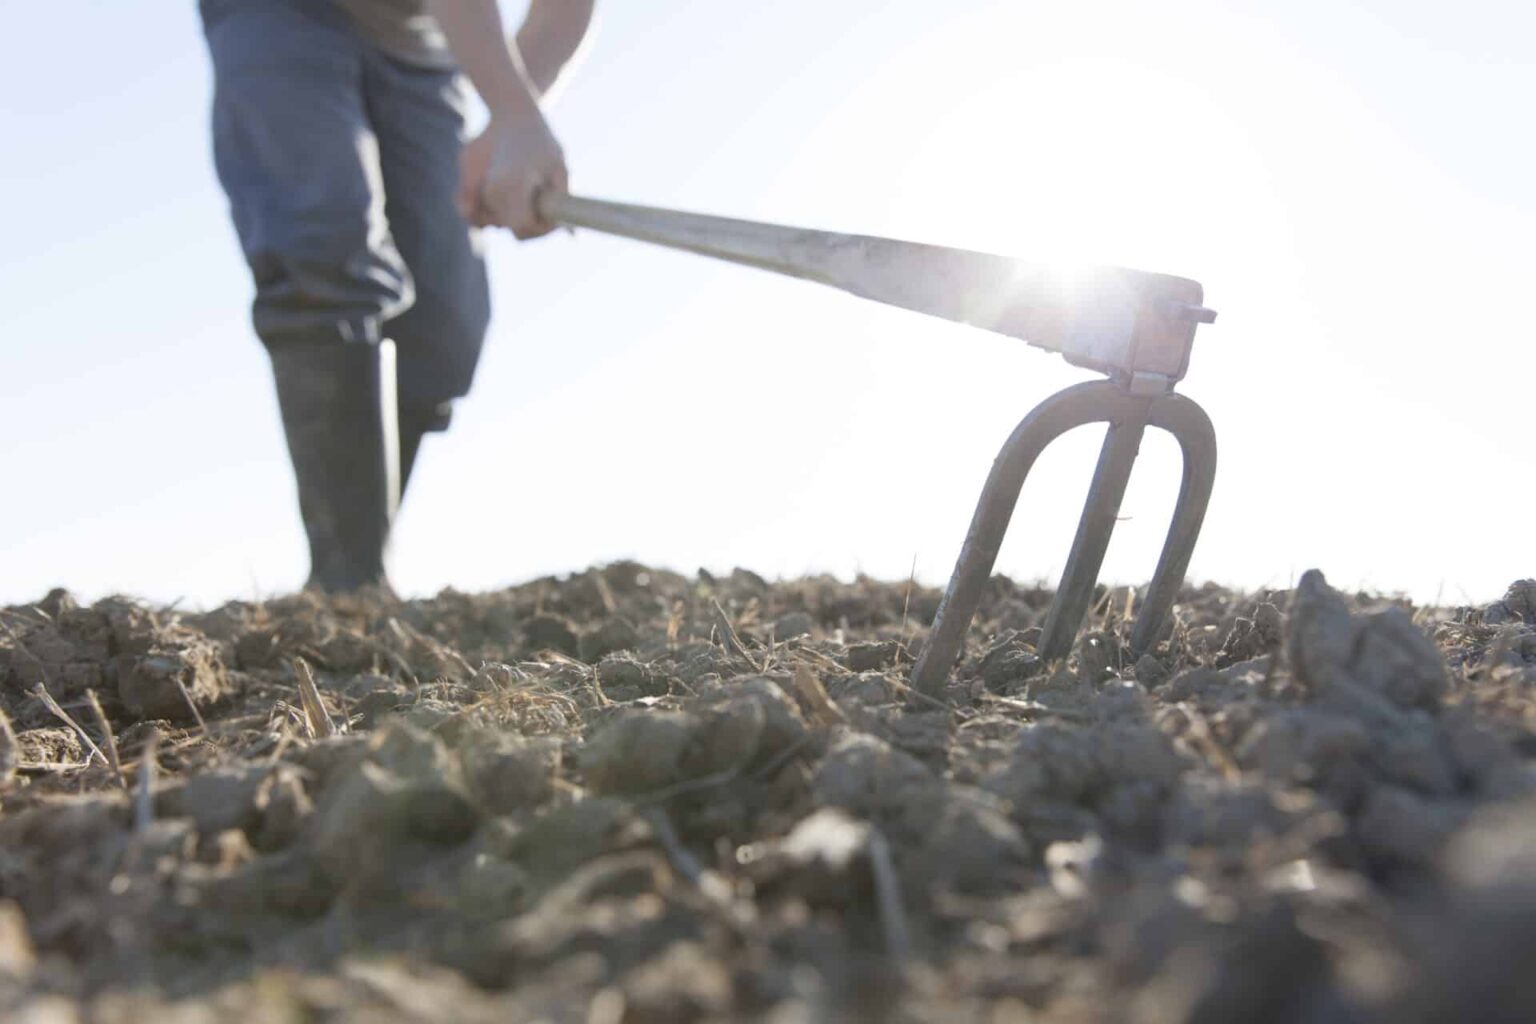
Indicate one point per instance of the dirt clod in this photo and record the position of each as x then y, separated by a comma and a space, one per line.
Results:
637, 752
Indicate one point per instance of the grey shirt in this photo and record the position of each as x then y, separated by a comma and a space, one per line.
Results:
403, 29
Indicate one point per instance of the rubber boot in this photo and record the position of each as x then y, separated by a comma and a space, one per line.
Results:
339, 413
414, 425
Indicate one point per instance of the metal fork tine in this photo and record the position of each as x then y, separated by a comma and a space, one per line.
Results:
1128, 415
1071, 407
1122, 441
1191, 427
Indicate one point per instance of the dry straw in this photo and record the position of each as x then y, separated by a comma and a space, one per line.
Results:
317, 721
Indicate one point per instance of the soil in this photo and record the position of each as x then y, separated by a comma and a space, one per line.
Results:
633, 796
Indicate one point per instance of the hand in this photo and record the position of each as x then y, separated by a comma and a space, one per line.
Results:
503, 169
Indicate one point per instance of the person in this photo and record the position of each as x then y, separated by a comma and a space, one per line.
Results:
339, 137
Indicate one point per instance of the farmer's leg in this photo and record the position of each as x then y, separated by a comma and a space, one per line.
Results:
295, 154
418, 115
300, 164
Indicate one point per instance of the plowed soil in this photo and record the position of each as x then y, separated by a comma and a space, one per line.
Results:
633, 796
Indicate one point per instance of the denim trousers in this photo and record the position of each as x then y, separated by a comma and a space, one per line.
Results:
341, 167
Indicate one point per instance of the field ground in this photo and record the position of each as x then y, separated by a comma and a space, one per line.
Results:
632, 796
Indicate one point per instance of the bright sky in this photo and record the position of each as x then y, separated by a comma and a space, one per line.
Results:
1350, 181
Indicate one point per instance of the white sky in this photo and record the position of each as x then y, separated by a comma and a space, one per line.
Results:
1350, 181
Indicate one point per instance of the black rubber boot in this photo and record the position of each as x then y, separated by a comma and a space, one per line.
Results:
414, 425
339, 413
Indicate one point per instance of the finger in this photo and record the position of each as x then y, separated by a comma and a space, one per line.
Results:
528, 222
498, 206
531, 226
554, 182
522, 227
528, 228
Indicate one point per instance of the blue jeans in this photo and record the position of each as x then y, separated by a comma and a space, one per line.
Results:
341, 165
